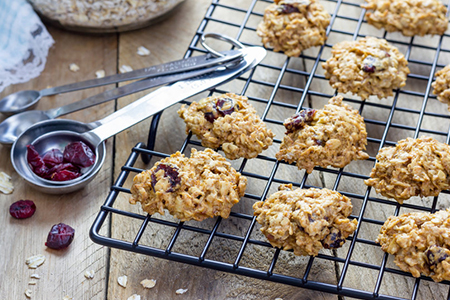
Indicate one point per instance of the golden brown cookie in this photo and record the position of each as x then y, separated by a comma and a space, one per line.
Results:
414, 167
410, 17
442, 85
305, 220
369, 66
292, 26
332, 136
229, 121
420, 243
202, 186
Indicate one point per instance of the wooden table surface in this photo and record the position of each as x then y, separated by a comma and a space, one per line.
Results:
63, 271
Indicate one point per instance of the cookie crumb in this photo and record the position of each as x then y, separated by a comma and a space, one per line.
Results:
142, 51
148, 283
122, 281
74, 68
181, 291
100, 73
35, 261
125, 69
89, 274
6, 186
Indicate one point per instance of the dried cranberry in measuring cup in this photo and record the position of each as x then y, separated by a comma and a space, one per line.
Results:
61, 166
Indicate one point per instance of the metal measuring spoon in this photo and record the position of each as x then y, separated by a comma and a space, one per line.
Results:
23, 100
13, 126
43, 136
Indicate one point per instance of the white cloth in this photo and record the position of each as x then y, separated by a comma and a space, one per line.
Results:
24, 43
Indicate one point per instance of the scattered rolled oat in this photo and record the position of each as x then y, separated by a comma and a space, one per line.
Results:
28, 293
36, 276
6, 186
142, 51
125, 69
100, 73
122, 281
148, 283
181, 291
32, 282
67, 298
74, 68
278, 298
89, 274
35, 261
134, 297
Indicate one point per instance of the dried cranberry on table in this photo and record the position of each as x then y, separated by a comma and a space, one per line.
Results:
60, 236
78, 153
22, 209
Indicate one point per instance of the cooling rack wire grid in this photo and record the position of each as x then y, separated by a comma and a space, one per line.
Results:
277, 88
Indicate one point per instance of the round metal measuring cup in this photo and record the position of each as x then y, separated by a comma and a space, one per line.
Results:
20, 163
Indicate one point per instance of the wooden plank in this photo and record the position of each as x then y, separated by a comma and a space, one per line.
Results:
63, 271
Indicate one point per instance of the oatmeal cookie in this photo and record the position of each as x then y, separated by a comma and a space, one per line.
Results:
420, 243
229, 121
305, 220
292, 26
415, 167
410, 17
441, 85
332, 136
202, 186
369, 66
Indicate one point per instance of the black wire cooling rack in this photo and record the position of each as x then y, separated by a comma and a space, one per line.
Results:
411, 112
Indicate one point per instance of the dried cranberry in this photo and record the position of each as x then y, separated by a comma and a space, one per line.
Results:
225, 106
436, 254
222, 107
60, 236
171, 172
36, 161
299, 120
22, 209
52, 158
64, 175
78, 153
369, 64
333, 240
287, 8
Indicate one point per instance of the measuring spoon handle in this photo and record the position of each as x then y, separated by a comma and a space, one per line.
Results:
183, 65
122, 91
167, 96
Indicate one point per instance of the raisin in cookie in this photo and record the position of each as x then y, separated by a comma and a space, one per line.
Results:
414, 167
369, 66
292, 26
229, 121
202, 186
441, 85
420, 243
410, 17
305, 220
332, 136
